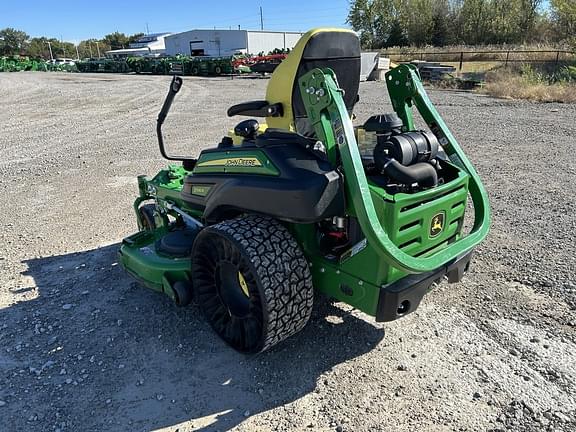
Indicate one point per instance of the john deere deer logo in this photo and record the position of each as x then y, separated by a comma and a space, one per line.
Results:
437, 225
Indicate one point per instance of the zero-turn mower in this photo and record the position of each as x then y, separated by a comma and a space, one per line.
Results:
370, 215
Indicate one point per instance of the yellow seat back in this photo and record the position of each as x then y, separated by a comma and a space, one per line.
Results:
338, 49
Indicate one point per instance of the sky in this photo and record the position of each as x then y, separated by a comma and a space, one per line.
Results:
75, 20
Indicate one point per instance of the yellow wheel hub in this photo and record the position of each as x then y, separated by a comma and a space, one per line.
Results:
243, 284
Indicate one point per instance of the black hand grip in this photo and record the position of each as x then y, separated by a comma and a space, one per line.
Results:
175, 86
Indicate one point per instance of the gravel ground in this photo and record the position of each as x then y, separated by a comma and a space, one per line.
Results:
83, 348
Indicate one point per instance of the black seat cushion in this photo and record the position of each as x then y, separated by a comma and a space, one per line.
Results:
339, 51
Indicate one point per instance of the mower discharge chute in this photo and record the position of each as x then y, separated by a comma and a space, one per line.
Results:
372, 216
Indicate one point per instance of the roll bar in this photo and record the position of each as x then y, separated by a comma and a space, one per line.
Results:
327, 112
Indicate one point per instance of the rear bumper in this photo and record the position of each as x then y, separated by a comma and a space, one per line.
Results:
403, 296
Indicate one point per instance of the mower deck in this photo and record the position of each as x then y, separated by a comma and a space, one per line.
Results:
140, 256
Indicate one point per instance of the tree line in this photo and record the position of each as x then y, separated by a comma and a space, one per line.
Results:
388, 23
382, 23
17, 42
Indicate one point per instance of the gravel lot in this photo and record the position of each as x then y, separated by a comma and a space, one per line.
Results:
84, 348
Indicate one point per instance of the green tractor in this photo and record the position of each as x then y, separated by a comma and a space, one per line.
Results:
372, 216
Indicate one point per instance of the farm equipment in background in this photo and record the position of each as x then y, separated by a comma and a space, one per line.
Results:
262, 64
102, 65
372, 216
181, 65
216, 66
9, 64
151, 65
211, 65
19, 63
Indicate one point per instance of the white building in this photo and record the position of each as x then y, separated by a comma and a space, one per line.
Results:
149, 45
217, 43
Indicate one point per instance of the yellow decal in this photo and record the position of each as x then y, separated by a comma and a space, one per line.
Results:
232, 162
243, 284
437, 224
200, 190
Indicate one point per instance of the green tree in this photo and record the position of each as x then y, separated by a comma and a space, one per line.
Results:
397, 36
38, 48
117, 40
417, 17
12, 41
439, 37
528, 18
87, 48
379, 22
364, 18
564, 15
133, 38
475, 21
503, 26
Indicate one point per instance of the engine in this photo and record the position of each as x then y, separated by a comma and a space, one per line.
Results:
400, 161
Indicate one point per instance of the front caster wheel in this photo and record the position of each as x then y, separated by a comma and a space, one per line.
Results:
146, 220
252, 282
183, 294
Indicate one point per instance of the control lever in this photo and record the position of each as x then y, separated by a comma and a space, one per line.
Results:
175, 86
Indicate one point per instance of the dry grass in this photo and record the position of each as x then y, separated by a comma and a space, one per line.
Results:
506, 84
478, 53
474, 67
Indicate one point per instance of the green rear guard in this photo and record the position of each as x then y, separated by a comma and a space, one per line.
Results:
328, 114
396, 226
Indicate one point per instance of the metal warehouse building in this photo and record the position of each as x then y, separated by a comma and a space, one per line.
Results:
228, 42
148, 45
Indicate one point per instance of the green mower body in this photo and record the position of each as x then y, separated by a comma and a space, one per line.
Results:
252, 229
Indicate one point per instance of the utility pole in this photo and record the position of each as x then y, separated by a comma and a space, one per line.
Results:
261, 19
90, 47
77, 53
147, 29
98, 48
50, 48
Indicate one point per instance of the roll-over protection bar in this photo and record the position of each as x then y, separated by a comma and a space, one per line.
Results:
327, 112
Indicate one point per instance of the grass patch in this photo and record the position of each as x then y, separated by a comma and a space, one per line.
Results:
480, 53
535, 83
474, 67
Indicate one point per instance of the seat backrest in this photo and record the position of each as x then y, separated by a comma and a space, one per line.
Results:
338, 49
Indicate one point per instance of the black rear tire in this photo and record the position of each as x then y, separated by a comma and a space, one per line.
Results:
252, 282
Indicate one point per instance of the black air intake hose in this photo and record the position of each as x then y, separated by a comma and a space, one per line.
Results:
422, 173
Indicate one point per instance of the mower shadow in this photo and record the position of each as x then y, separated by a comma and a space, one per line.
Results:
136, 362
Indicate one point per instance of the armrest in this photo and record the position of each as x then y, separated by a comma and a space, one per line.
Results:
256, 109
